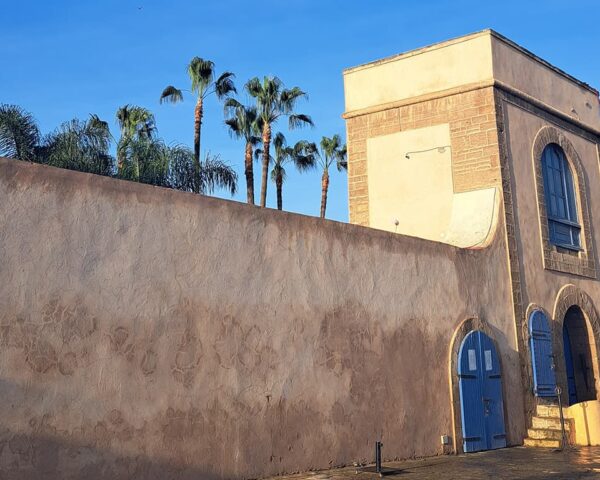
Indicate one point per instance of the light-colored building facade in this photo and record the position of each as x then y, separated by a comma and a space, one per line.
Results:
477, 138
147, 333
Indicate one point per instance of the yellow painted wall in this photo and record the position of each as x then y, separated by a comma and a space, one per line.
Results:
417, 192
586, 419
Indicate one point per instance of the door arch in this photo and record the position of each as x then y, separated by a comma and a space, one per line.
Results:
574, 306
480, 388
579, 357
542, 357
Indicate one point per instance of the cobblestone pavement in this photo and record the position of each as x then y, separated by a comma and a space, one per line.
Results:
518, 462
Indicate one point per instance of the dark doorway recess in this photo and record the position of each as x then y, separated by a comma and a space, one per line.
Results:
579, 359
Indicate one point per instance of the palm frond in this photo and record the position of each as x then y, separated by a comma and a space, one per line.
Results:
235, 129
278, 171
80, 145
304, 155
279, 141
267, 96
299, 120
272, 86
258, 153
19, 133
224, 85
97, 123
136, 121
171, 95
217, 174
230, 105
253, 87
332, 150
181, 168
201, 74
341, 157
243, 123
289, 97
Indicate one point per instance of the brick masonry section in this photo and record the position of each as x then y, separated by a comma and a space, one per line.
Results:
473, 134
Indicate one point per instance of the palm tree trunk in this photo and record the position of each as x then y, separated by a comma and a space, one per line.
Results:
17, 147
324, 188
266, 139
197, 127
136, 170
249, 174
279, 185
120, 158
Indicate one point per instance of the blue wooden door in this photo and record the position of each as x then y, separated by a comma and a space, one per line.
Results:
569, 367
480, 385
471, 394
542, 358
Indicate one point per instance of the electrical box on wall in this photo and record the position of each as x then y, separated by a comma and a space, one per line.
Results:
445, 439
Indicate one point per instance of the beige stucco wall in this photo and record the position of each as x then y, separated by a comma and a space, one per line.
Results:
146, 333
464, 62
528, 75
541, 286
440, 67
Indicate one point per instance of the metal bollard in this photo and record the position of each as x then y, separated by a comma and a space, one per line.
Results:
378, 446
378, 468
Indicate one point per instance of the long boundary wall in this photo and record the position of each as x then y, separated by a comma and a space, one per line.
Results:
148, 333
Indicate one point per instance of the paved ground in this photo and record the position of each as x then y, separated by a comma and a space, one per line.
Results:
520, 463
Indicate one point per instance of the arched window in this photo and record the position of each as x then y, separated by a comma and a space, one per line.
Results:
563, 225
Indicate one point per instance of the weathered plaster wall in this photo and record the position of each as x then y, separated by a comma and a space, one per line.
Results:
147, 333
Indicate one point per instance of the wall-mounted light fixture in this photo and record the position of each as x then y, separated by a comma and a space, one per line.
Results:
440, 149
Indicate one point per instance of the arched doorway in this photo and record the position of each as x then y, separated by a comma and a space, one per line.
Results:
480, 387
579, 360
542, 357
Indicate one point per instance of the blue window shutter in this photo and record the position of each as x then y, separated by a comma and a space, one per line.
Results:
572, 206
559, 192
542, 358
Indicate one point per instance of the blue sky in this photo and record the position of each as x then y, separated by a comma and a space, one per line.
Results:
65, 59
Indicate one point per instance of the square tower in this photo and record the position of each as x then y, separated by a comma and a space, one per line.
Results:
423, 133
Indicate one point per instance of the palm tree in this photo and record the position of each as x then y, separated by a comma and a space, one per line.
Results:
79, 145
273, 101
245, 125
332, 150
214, 173
146, 160
19, 133
136, 124
302, 155
202, 75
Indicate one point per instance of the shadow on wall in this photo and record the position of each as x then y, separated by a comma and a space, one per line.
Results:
41, 455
